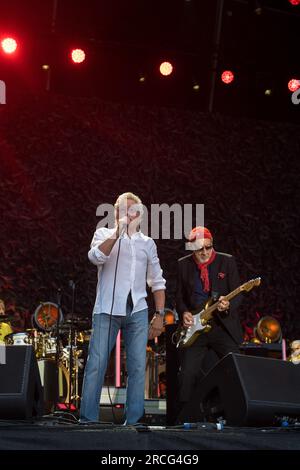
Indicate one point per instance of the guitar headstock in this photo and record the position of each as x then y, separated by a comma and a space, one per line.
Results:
250, 284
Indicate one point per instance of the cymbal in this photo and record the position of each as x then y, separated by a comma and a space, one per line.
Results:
78, 321
64, 327
76, 316
77, 325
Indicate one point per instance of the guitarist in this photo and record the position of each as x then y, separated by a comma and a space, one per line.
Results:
201, 275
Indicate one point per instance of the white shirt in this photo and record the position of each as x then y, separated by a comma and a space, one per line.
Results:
138, 264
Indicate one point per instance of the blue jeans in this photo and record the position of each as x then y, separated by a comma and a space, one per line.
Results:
135, 333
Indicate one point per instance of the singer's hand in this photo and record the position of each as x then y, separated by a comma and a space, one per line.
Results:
156, 326
122, 225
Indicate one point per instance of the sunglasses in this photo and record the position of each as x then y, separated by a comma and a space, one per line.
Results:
207, 248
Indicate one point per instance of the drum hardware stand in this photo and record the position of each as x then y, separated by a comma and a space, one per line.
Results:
73, 286
156, 361
59, 296
67, 407
76, 390
73, 372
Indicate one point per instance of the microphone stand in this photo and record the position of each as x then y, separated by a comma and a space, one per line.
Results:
72, 285
59, 296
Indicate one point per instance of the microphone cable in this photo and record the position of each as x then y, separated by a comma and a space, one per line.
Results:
110, 319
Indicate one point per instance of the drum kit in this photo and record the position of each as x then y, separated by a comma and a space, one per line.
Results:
58, 344
61, 347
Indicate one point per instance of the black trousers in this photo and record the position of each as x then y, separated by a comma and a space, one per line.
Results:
193, 367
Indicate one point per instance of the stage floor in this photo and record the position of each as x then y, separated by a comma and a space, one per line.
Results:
64, 434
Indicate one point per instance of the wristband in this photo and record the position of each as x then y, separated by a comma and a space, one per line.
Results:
160, 312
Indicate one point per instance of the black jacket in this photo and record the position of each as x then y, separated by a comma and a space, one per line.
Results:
224, 278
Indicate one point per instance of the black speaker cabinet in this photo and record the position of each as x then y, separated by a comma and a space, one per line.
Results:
248, 390
21, 394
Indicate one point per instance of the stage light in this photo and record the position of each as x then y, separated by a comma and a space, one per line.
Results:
294, 2
78, 56
268, 92
227, 77
294, 84
166, 68
9, 45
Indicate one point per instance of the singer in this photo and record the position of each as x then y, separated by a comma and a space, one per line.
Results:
126, 261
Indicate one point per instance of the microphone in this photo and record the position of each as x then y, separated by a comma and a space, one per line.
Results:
122, 232
124, 224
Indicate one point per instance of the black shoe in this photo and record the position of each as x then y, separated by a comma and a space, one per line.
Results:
88, 423
140, 422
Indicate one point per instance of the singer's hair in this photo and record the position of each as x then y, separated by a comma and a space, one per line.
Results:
138, 206
123, 196
2, 303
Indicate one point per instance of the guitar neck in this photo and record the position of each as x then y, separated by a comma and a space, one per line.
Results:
207, 314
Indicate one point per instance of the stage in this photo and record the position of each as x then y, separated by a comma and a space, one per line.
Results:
66, 434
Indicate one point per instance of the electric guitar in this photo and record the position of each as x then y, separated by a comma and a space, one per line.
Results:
185, 337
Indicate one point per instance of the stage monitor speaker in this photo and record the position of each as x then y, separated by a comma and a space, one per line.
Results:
21, 393
254, 391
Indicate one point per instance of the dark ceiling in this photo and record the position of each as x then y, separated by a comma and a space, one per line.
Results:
127, 39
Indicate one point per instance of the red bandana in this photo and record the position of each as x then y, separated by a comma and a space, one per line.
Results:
204, 271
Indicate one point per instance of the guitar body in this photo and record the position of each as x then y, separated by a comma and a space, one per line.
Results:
185, 337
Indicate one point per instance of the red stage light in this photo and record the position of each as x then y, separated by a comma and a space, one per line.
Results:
227, 77
294, 2
78, 56
166, 68
294, 84
9, 45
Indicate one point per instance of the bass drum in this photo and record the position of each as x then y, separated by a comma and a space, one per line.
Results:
55, 383
18, 339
